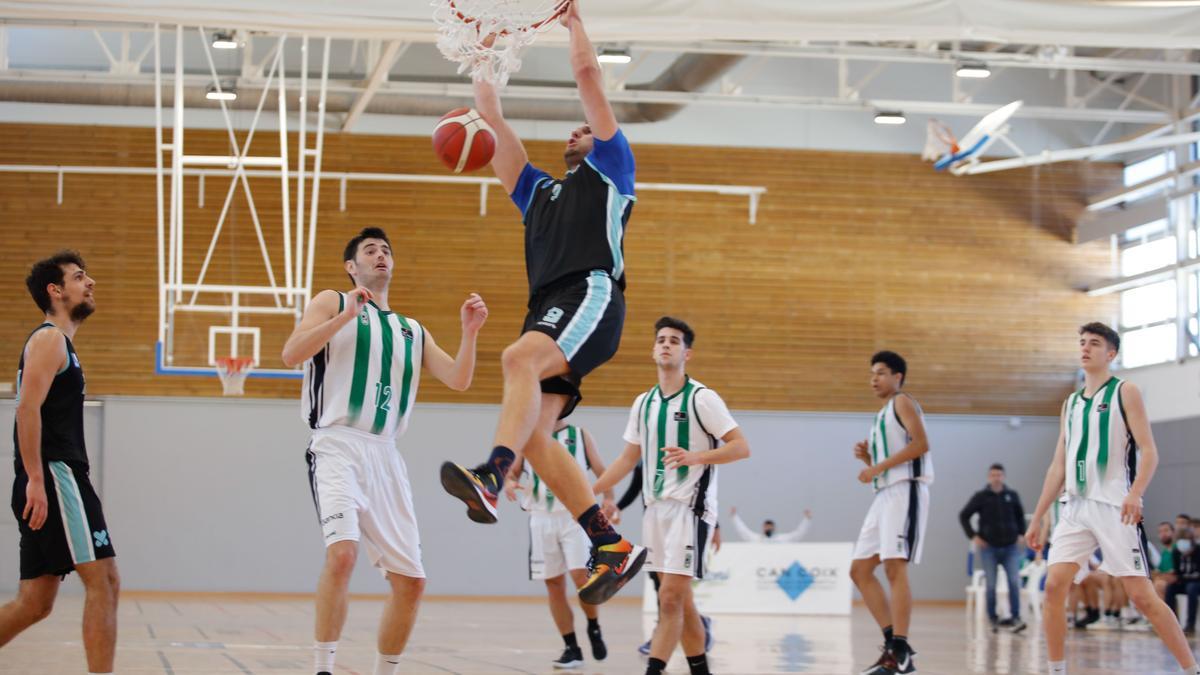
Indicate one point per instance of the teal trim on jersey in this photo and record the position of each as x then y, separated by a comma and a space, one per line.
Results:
683, 430
383, 395
73, 513
341, 302
362, 362
590, 313
409, 367
1102, 456
615, 209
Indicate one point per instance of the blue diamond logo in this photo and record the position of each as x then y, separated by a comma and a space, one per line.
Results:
794, 580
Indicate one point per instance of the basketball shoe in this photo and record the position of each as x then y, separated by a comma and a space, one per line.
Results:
611, 567
476, 487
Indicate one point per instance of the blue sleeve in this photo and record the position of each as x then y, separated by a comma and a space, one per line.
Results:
614, 160
527, 182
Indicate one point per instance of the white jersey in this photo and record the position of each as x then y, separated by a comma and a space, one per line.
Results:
693, 418
1101, 455
537, 495
366, 376
888, 436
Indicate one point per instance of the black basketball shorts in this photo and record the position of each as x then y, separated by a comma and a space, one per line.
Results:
74, 531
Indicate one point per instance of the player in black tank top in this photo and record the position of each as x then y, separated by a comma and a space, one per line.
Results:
62, 412
58, 512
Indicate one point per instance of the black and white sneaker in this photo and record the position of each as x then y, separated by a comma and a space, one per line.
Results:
884, 666
599, 649
572, 657
904, 664
1018, 626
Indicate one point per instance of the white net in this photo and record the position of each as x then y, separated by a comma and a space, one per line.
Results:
487, 37
233, 371
939, 140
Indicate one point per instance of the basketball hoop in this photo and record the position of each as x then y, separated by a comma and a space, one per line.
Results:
233, 371
939, 141
465, 26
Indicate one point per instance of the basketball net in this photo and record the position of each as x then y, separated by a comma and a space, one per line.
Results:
233, 371
939, 141
465, 26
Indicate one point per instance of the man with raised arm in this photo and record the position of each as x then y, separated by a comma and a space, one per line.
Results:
362, 367
574, 259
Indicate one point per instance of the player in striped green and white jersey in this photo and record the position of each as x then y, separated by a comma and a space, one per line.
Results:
1105, 458
363, 364
558, 546
900, 468
680, 430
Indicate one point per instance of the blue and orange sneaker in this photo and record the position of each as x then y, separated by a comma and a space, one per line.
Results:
611, 567
475, 487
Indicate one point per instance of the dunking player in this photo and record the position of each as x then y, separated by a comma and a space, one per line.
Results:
1106, 457
60, 518
574, 234
363, 367
900, 468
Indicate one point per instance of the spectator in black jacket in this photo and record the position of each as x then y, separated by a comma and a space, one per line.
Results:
1187, 576
999, 541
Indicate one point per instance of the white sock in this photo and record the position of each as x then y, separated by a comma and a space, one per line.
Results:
387, 664
323, 655
1058, 668
1191, 670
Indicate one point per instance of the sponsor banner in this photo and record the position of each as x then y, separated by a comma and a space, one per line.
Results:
746, 578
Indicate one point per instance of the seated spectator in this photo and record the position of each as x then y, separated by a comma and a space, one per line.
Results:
1164, 573
1187, 573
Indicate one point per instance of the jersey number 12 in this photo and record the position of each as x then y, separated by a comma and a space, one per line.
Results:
383, 396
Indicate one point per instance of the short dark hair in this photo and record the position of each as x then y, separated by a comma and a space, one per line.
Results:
769, 522
894, 362
1168, 524
1110, 336
996, 467
1184, 516
49, 271
689, 336
366, 233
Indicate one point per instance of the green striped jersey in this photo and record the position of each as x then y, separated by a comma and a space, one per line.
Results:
693, 418
366, 376
1101, 455
538, 496
888, 436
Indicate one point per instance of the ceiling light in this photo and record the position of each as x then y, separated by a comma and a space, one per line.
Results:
973, 69
889, 117
223, 40
224, 93
609, 55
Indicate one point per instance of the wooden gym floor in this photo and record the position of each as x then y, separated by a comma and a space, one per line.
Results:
181, 634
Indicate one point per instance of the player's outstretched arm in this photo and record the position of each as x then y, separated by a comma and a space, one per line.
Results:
744, 531
620, 468
458, 372
321, 321
1051, 487
1139, 426
734, 447
45, 356
589, 76
510, 157
798, 533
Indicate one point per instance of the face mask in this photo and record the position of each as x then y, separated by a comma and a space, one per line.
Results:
1184, 545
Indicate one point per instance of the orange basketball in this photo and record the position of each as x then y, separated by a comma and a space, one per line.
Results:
463, 141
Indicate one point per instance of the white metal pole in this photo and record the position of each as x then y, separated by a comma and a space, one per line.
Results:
158, 177
316, 188
283, 177
301, 158
177, 149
